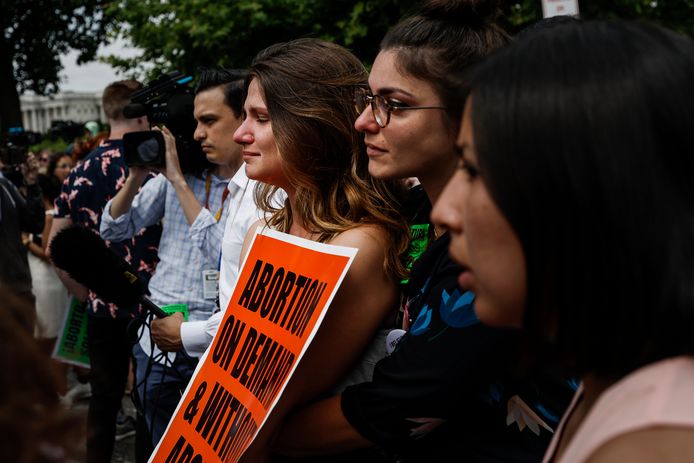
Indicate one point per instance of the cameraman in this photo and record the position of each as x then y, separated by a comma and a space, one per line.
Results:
18, 214
193, 209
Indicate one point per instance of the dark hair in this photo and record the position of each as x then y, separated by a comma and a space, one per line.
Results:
547, 23
117, 96
441, 41
50, 186
308, 87
53, 161
49, 183
233, 82
583, 134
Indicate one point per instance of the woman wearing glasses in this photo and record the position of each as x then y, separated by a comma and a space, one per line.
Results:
447, 389
298, 136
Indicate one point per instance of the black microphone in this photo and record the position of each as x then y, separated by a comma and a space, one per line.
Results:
86, 258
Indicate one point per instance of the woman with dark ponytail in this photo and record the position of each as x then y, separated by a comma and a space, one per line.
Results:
449, 389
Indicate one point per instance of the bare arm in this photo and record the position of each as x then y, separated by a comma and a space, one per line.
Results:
123, 200
352, 319
318, 429
35, 249
350, 324
189, 203
46, 234
76, 289
32, 247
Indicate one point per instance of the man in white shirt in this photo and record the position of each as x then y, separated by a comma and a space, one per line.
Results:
195, 209
172, 333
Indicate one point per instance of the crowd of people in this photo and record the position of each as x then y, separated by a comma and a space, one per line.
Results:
520, 206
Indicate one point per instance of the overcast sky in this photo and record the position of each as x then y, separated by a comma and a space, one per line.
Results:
94, 76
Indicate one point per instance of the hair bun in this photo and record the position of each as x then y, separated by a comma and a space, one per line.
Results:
462, 11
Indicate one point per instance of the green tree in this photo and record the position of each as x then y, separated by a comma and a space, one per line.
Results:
36, 33
674, 14
188, 34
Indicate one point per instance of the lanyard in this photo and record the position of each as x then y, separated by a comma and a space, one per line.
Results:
225, 194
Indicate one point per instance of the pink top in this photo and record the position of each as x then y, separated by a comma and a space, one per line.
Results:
659, 394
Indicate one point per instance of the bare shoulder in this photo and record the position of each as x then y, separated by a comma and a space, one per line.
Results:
663, 444
257, 223
252, 228
368, 269
249, 236
362, 237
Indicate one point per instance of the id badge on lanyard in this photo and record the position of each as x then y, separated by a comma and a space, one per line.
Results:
210, 284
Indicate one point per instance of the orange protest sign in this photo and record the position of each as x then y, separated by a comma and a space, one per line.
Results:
278, 303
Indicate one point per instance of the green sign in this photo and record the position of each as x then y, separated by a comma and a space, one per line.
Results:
71, 346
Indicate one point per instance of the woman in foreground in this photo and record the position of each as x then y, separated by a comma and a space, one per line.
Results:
573, 214
297, 136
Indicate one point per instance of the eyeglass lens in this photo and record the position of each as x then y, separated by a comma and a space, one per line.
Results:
379, 106
381, 110
360, 102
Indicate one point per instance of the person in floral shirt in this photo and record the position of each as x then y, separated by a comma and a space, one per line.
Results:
85, 192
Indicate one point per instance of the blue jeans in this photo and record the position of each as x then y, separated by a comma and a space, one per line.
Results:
160, 388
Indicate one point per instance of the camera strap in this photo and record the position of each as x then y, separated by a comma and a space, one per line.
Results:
208, 187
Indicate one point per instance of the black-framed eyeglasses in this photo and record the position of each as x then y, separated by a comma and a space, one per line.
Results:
381, 107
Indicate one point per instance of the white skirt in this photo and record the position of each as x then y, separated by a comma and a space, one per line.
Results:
51, 298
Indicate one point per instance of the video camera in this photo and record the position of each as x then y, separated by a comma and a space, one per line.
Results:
14, 150
166, 100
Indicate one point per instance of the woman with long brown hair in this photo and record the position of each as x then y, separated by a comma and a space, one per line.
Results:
298, 136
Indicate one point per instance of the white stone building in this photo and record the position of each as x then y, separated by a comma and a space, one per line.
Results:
38, 112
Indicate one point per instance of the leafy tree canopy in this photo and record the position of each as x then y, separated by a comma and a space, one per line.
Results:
674, 14
35, 34
188, 34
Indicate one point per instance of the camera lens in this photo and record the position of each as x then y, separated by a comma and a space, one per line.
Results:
148, 150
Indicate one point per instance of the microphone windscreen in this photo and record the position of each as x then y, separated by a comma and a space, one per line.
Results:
86, 258
134, 110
